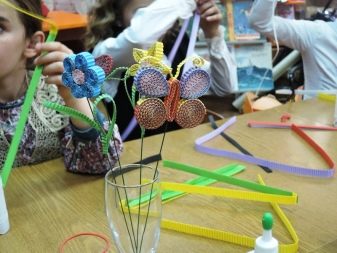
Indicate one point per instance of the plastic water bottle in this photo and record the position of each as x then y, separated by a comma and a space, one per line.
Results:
266, 243
4, 221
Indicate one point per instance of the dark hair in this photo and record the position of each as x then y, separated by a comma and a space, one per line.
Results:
105, 20
31, 24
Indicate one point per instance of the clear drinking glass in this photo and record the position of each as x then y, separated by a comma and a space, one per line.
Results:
133, 207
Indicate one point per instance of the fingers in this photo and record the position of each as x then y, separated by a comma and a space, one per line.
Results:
53, 46
51, 57
56, 79
209, 11
55, 68
55, 51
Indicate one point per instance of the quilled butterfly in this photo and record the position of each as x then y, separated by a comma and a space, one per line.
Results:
180, 103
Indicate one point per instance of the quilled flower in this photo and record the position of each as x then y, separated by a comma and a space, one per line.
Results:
82, 75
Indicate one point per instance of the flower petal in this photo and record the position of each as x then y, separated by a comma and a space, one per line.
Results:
138, 54
69, 63
133, 69
67, 79
157, 50
95, 75
84, 61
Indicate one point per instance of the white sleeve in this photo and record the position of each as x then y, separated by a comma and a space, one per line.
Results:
223, 68
147, 26
296, 34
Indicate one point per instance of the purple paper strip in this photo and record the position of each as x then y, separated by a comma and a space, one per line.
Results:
193, 38
255, 160
132, 124
177, 43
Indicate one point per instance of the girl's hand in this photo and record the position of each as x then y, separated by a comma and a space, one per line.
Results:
52, 59
210, 17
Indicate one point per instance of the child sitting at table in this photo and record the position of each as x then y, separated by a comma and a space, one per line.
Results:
47, 134
76, 6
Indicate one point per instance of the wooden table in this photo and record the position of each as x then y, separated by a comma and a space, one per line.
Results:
47, 204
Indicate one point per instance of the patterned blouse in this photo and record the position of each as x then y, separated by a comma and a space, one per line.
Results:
49, 135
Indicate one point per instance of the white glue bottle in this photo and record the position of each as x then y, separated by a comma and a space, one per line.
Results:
266, 243
4, 221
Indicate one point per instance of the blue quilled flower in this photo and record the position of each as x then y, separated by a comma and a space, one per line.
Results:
82, 75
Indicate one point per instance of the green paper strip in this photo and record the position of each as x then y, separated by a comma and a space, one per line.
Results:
68, 111
228, 170
110, 133
13, 149
225, 179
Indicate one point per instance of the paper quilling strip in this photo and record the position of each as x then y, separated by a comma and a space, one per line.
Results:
264, 193
329, 172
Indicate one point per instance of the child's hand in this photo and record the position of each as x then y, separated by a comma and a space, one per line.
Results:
52, 59
56, 52
210, 17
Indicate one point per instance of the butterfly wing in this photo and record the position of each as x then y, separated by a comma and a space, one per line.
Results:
194, 83
190, 113
150, 113
150, 82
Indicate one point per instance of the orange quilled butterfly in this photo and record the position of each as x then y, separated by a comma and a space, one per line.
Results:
180, 101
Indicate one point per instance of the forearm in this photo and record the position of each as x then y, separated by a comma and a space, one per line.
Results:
296, 34
223, 68
147, 26
83, 152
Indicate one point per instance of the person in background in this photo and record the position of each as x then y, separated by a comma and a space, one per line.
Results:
315, 40
47, 134
75, 6
116, 27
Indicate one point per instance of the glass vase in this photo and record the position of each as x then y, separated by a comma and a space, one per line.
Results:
133, 207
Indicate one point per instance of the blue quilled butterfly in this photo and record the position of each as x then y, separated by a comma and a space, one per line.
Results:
180, 97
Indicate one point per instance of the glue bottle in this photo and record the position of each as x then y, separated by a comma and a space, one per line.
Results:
4, 221
266, 243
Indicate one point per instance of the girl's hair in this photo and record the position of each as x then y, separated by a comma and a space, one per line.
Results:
31, 24
105, 20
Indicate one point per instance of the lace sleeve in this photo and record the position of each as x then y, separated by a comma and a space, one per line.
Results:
85, 156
